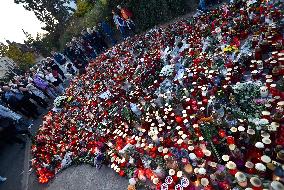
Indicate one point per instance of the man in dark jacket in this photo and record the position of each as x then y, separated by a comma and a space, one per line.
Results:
105, 28
55, 68
19, 103
58, 57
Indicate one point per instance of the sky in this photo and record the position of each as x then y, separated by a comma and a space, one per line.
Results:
14, 18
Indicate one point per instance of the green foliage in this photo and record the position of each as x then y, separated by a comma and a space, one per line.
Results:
24, 60
43, 44
76, 24
83, 6
54, 14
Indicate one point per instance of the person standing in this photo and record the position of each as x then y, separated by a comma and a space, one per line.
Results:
120, 24
59, 58
19, 102
127, 16
6, 112
202, 5
43, 85
22, 87
100, 38
51, 63
107, 31
54, 79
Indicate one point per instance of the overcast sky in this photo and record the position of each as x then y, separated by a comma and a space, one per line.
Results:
14, 18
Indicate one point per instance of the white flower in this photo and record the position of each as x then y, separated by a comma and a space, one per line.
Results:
192, 156
160, 149
266, 140
266, 113
259, 145
172, 172
265, 134
225, 158
165, 150
204, 182
231, 165
234, 129
232, 146
263, 122
190, 148
249, 164
183, 136
132, 181
265, 159
241, 128
213, 164
207, 152
156, 181
251, 131
240, 177
180, 141
179, 173
260, 167
202, 171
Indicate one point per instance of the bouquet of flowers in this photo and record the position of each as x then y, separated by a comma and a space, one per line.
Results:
230, 49
246, 94
167, 71
59, 101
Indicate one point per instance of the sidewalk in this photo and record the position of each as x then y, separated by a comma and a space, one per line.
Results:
14, 161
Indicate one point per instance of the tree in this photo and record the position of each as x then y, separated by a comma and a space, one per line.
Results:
83, 6
54, 14
43, 44
24, 60
3, 49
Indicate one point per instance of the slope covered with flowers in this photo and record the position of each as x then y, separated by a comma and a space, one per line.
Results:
197, 104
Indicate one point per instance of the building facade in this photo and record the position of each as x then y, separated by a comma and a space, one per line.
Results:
6, 65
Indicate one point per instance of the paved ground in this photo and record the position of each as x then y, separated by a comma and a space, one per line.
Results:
11, 166
85, 177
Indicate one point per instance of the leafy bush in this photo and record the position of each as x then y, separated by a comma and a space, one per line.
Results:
83, 6
23, 59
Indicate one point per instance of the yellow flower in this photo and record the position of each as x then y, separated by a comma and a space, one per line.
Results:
69, 98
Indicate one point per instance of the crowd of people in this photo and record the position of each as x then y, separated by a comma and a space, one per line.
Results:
25, 95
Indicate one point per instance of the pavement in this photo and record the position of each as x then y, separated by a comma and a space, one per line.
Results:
12, 159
